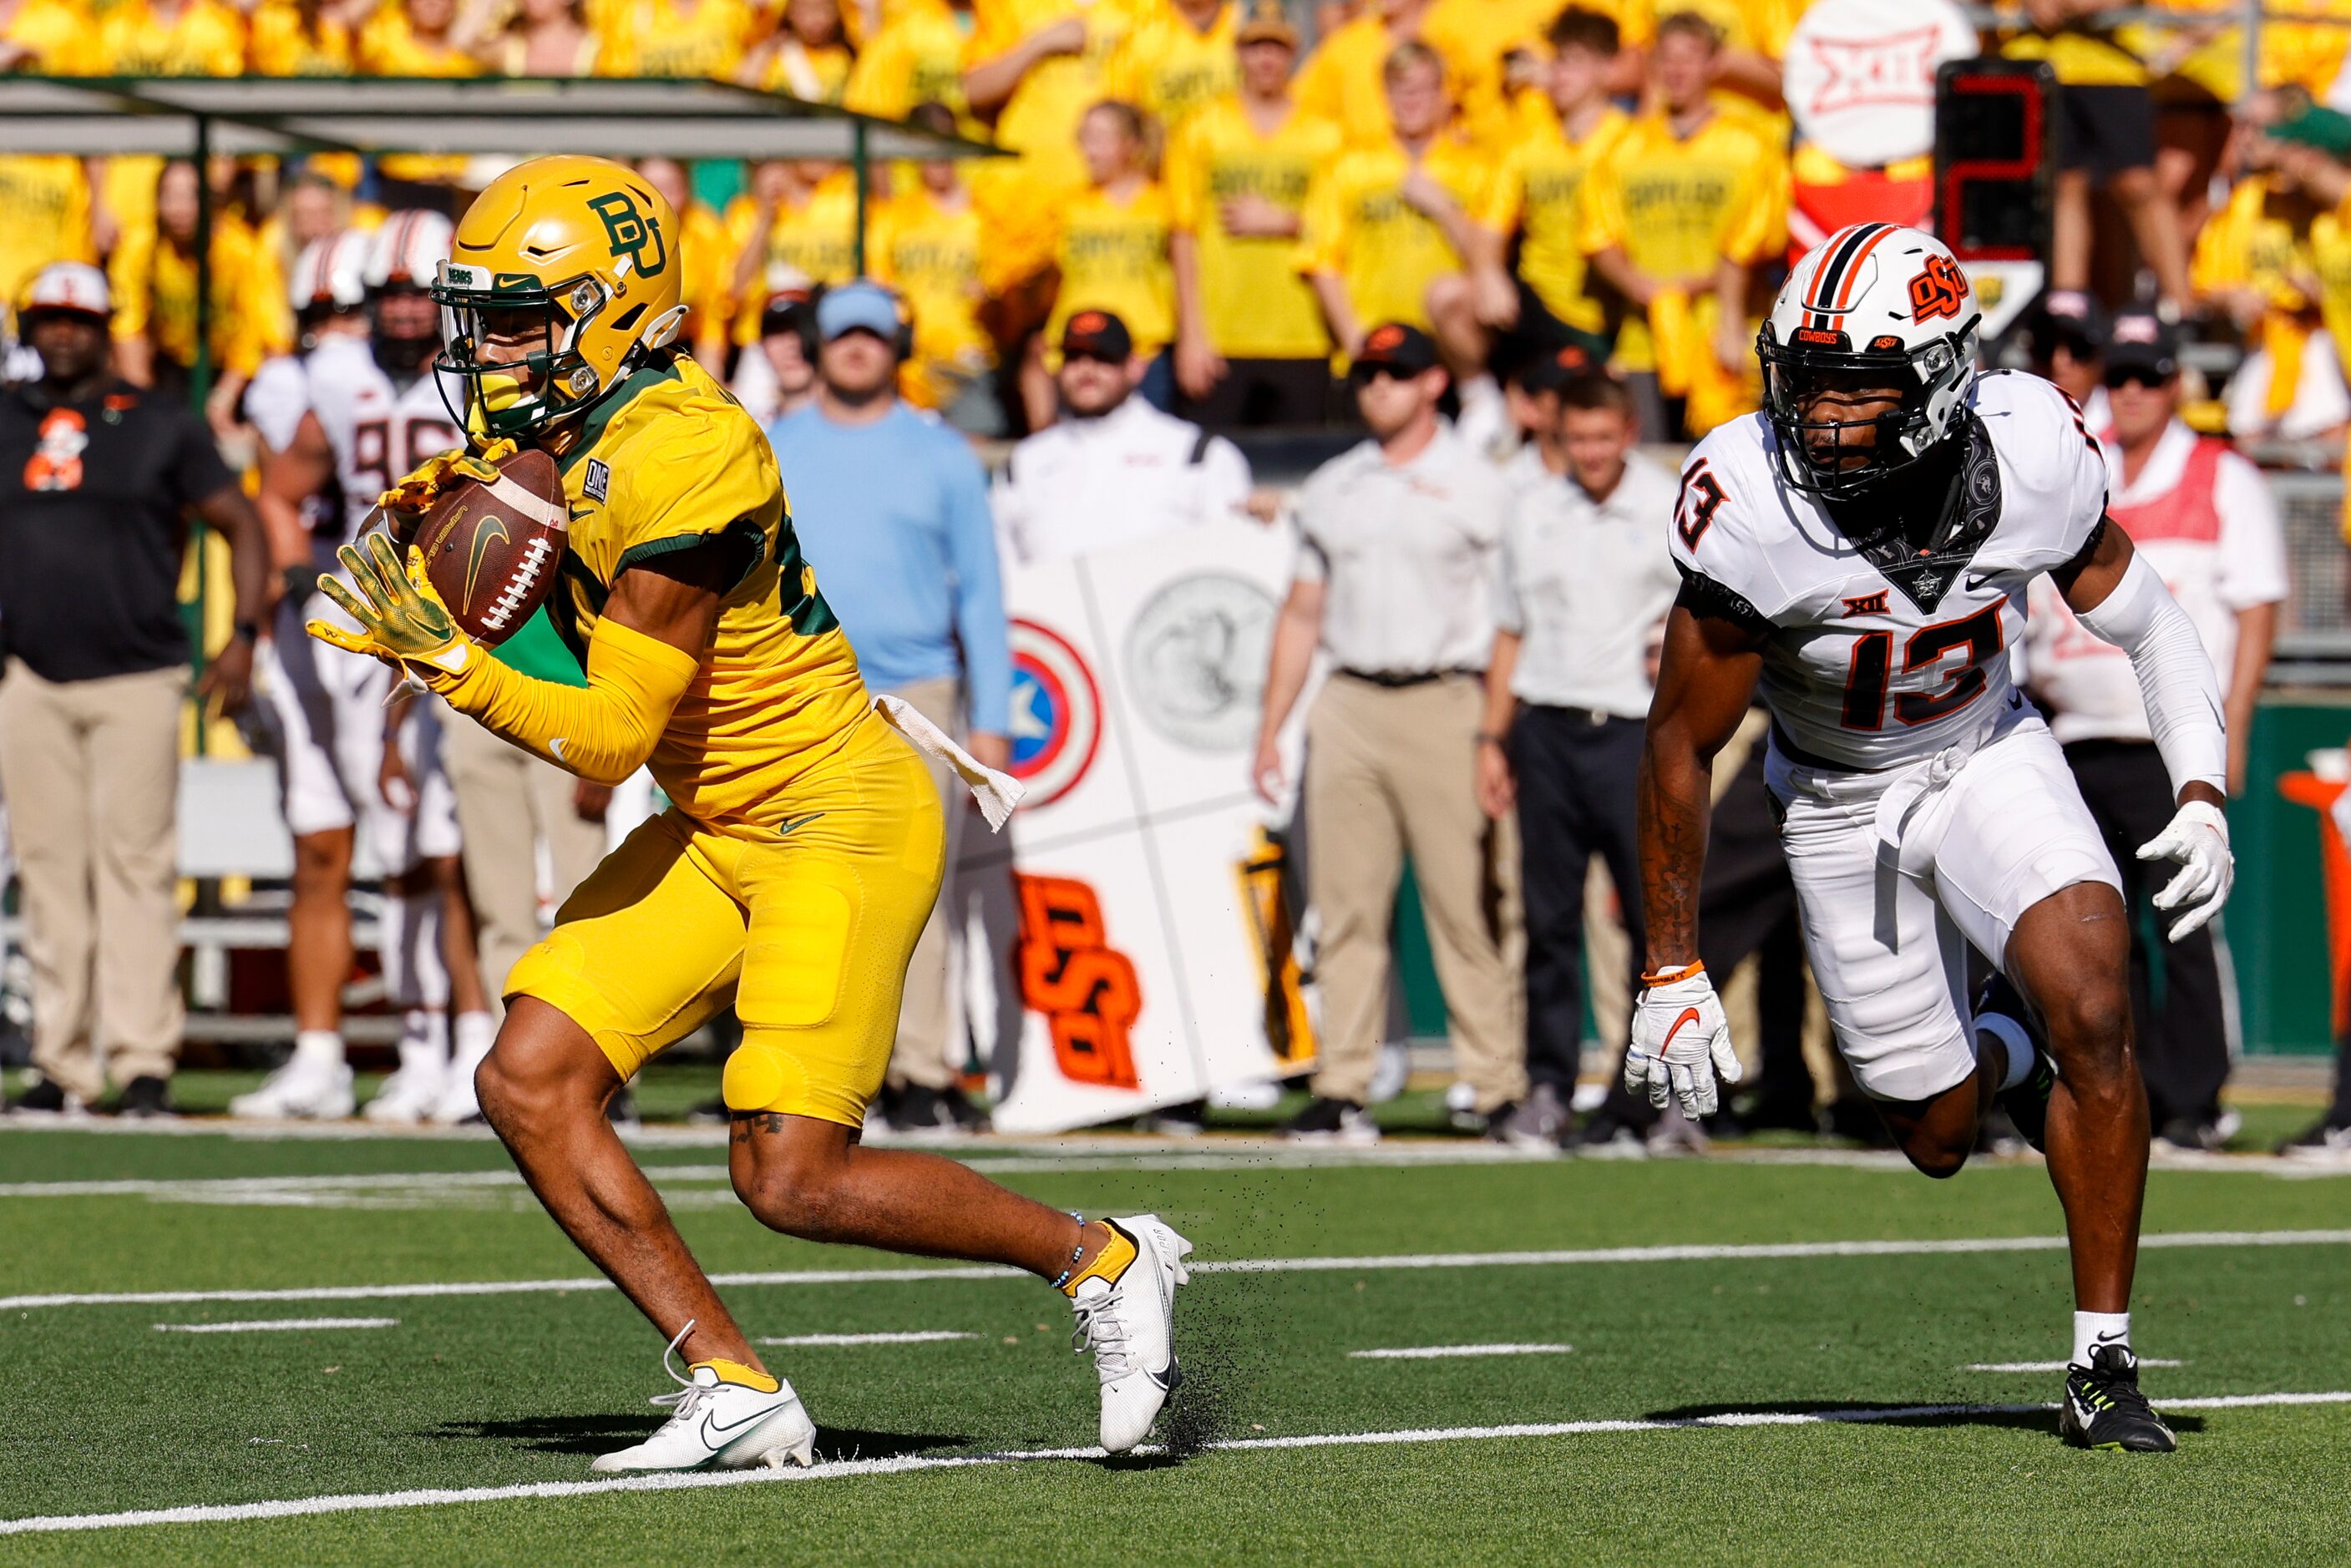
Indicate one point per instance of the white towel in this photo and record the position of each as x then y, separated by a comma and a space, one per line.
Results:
996, 793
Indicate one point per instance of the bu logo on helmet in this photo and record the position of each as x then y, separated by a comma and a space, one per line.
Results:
1940, 290
630, 232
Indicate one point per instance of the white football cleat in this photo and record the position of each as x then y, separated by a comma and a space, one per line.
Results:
1130, 1326
719, 1426
409, 1097
302, 1090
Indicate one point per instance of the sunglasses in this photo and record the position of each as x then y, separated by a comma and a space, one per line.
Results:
1365, 375
2125, 375
1090, 356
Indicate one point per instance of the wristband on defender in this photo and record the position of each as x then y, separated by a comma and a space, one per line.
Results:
1690, 970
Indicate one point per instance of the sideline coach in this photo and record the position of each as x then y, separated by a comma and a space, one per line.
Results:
97, 478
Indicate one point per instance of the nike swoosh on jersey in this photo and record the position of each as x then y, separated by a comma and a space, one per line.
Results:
788, 824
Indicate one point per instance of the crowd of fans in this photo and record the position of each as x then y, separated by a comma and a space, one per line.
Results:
1569, 216
1249, 184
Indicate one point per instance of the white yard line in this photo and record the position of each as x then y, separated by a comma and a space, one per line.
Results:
371, 1502
923, 1336
1375, 1263
277, 1325
2053, 1365
1444, 1352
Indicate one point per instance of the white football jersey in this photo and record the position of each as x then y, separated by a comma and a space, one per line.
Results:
379, 432
277, 398
1876, 656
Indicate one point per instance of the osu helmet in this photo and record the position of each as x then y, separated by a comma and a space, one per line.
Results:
403, 259
330, 275
583, 245
1875, 305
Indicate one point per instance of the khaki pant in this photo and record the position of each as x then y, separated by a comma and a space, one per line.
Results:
1391, 772
507, 800
91, 772
929, 1051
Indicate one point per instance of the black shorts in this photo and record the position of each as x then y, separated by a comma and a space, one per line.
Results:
1538, 335
2104, 130
1258, 393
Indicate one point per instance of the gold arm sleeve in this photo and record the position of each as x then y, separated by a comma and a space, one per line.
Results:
602, 732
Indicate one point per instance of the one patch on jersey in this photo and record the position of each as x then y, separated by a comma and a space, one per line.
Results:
598, 482
1867, 604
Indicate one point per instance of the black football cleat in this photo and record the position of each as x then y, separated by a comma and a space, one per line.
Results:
2027, 1105
2103, 1408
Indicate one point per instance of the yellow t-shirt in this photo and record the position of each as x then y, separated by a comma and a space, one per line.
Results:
1170, 70
60, 39
1254, 302
1359, 228
1345, 80
1541, 189
44, 217
1039, 120
2250, 244
814, 76
916, 57
388, 46
155, 288
206, 39
279, 45
675, 463
931, 255
705, 271
661, 38
819, 238
2080, 56
1677, 208
1113, 257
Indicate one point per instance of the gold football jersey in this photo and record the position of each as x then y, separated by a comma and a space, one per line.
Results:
668, 461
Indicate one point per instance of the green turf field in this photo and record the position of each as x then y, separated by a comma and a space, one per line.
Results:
1757, 1396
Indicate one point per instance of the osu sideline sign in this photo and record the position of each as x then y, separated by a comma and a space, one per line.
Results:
1140, 920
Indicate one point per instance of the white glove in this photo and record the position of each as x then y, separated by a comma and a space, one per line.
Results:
2198, 838
1680, 1040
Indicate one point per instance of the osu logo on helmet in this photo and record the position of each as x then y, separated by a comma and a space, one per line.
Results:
1940, 290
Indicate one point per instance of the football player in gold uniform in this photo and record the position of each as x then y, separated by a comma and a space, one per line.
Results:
800, 853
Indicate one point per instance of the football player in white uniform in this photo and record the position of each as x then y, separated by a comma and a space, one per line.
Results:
357, 757
1860, 550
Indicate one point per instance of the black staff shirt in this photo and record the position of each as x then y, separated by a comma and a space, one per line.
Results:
93, 526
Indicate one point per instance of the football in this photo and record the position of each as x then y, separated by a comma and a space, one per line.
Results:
493, 550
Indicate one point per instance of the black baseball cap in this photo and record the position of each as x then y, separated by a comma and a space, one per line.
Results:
2142, 340
1097, 335
1398, 348
1552, 371
2069, 317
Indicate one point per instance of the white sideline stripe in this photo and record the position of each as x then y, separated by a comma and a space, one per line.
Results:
842, 1469
278, 1324
1440, 1352
923, 1336
2053, 1365
1962, 1245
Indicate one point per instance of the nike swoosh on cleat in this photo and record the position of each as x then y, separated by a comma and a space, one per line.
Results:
711, 1426
1167, 1378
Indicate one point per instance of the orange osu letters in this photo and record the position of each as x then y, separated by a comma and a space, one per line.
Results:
1085, 988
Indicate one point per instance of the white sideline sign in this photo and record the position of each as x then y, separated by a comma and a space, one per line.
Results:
1132, 905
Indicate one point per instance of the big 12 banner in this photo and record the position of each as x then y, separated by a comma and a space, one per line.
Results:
1141, 919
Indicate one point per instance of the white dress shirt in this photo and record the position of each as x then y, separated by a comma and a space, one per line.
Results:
2088, 685
1408, 553
1083, 485
1584, 584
